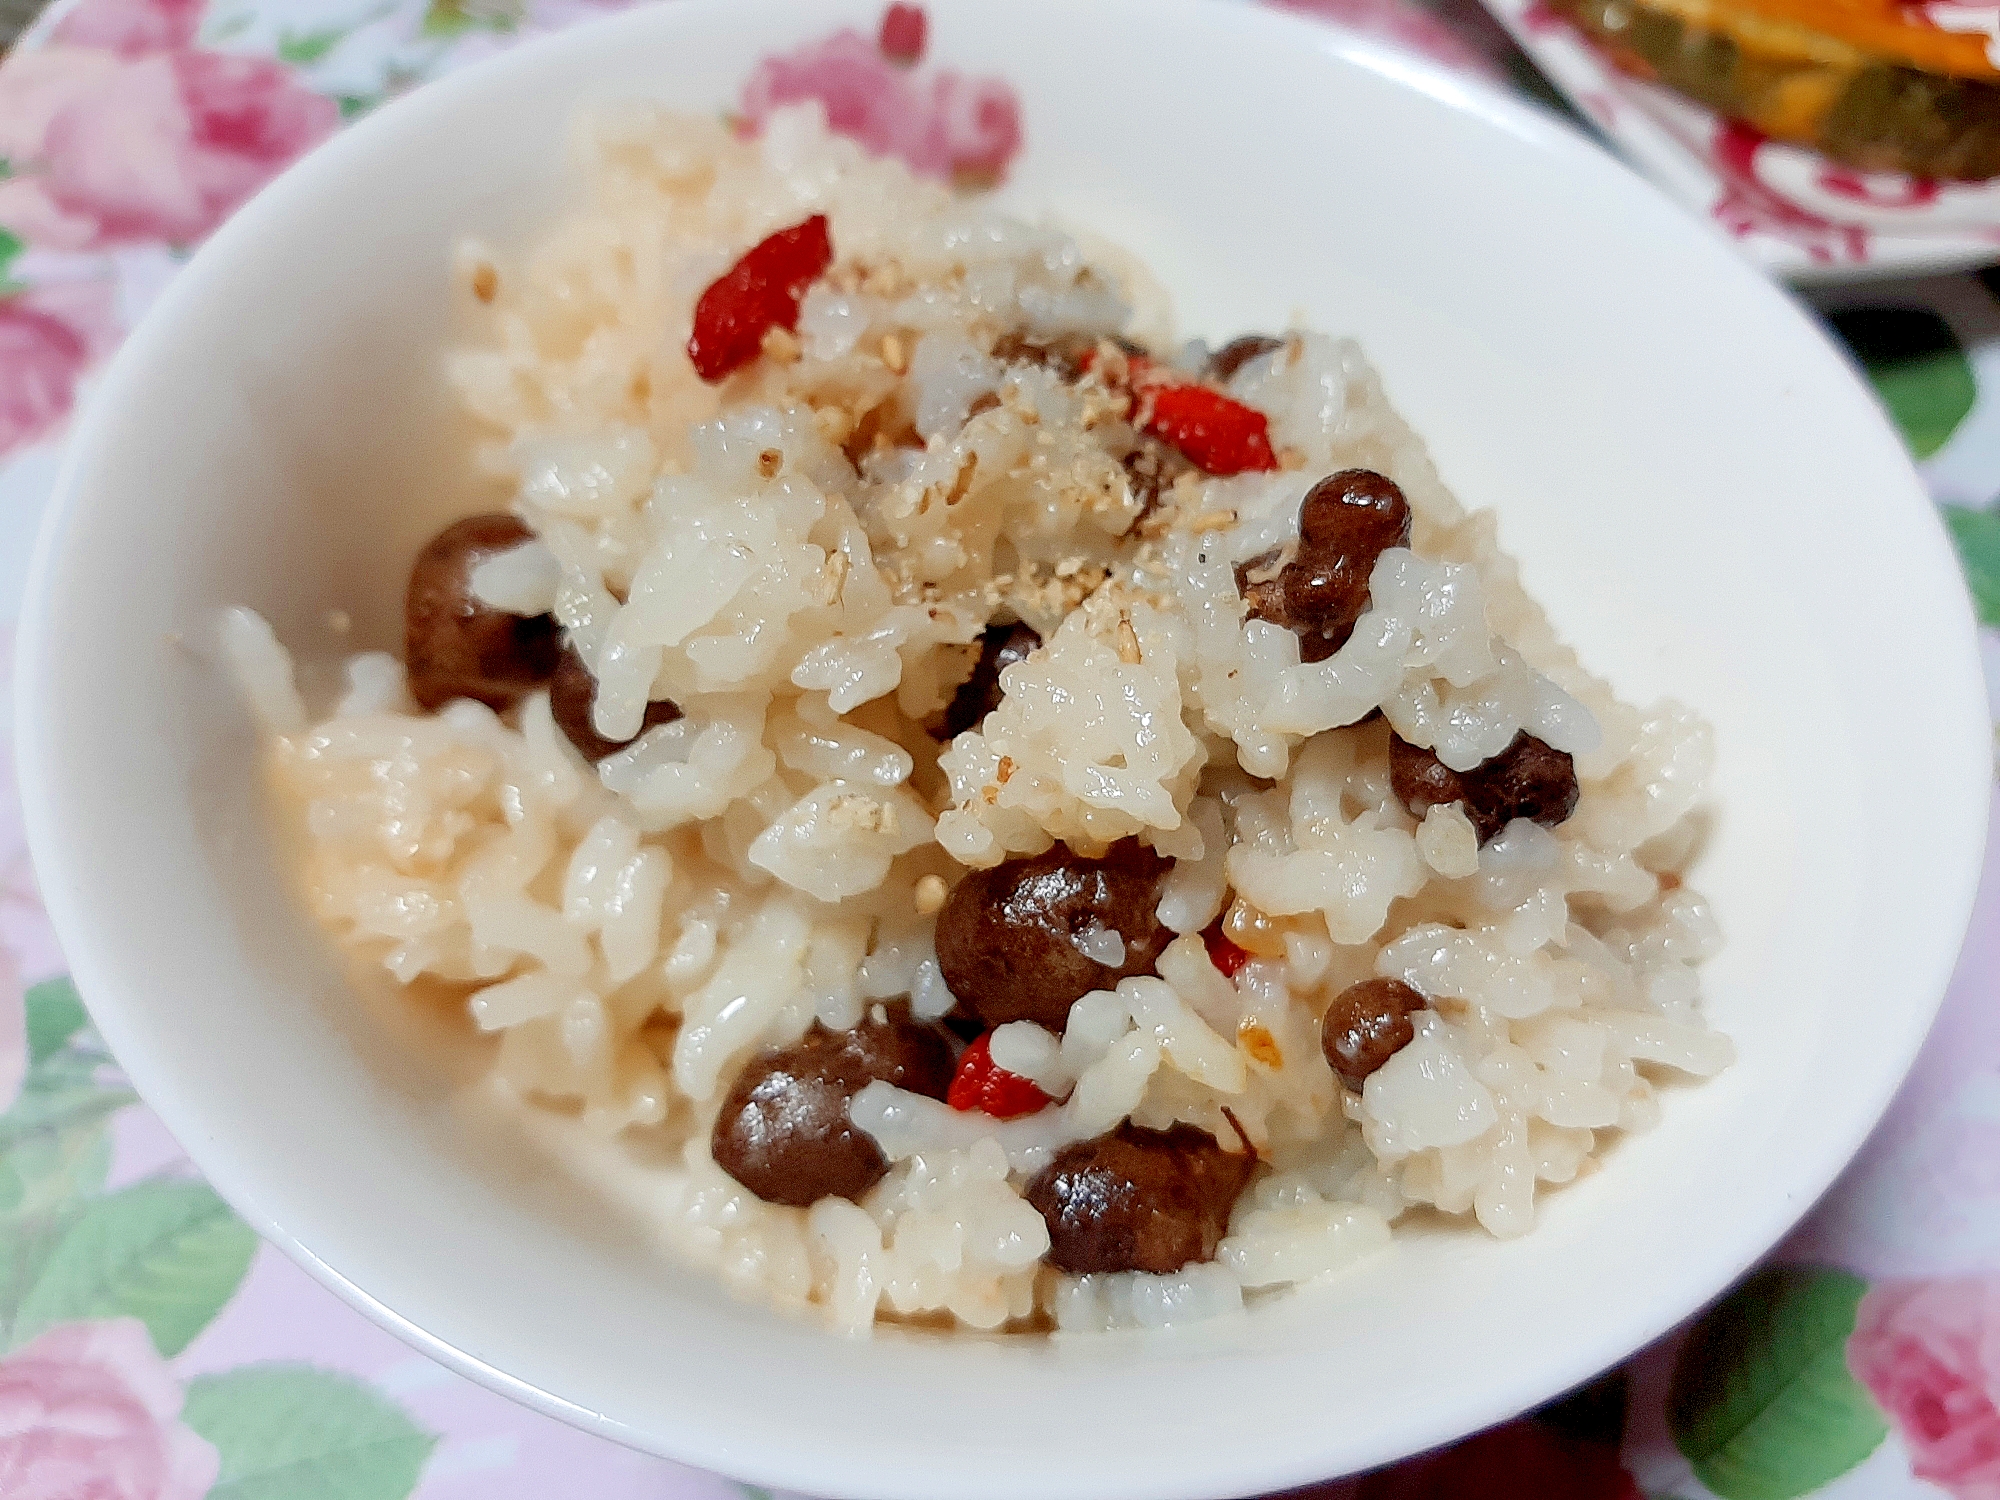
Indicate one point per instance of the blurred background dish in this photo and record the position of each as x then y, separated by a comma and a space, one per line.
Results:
1876, 85
1808, 216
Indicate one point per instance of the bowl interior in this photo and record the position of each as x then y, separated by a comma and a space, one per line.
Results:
1698, 488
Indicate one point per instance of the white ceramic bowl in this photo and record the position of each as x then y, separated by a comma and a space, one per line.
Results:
1698, 486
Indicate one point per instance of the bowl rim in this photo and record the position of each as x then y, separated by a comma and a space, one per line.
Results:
241, 1181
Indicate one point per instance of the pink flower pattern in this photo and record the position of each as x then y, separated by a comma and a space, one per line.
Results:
951, 126
161, 147
123, 132
1929, 1352
131, 28
49, 336
88, 1411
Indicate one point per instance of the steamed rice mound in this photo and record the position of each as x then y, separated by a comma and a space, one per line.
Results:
803, 559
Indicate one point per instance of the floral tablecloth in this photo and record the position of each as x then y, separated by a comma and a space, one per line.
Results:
152, 1349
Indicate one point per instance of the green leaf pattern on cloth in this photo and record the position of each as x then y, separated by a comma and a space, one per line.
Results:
55, 1145
1762, 1402
55, 1014
450, 18
64, 1091
1917, 367
169, 1253
286, 1432
1977, 533
304, 48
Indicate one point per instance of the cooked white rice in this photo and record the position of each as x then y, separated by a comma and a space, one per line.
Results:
635, 934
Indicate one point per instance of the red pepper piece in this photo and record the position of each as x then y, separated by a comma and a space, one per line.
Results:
1217, 434
903, 33
1224, 954
760, 292
984, 1085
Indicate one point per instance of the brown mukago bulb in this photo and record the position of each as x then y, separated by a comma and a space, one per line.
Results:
1139, 1199
1529, 779
456, 647
1367, 1024
784, 1130
573, 697
1008, 938
1346, 522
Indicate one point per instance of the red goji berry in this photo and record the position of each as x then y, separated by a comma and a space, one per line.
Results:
984, 1085
1224, 954
760, 292
902, 36
1215, 433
